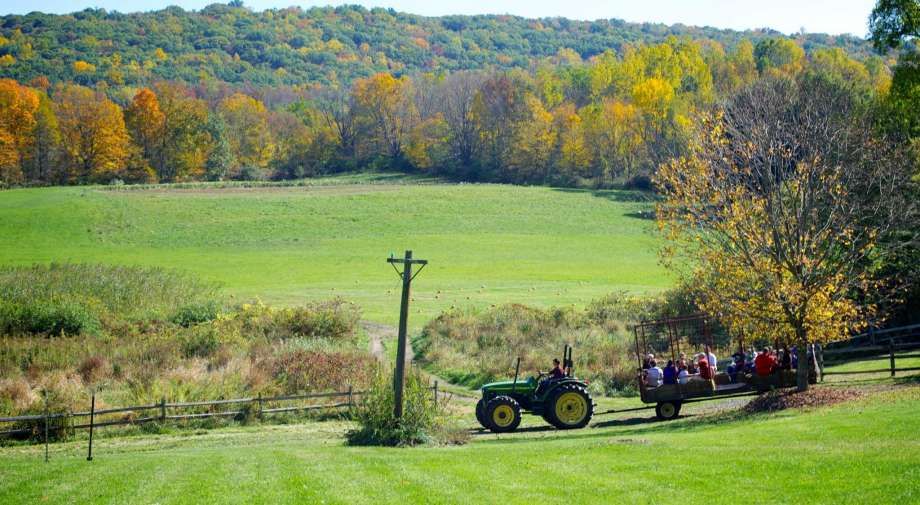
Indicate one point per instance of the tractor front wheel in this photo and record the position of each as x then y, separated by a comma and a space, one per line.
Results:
481, 413
503, 414
667, 410
569, 407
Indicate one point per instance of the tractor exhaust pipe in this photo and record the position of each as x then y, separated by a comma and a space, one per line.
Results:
517, 369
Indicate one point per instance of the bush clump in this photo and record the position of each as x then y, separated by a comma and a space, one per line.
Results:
46, 317
374, 414
197, 313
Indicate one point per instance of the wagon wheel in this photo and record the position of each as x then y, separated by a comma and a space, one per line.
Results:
667, 410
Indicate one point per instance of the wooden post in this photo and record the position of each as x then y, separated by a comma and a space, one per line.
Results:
399, 378
163, 409
46, 424
436, 393
891, 355
92, 418
819, 353
351, 401
259, 399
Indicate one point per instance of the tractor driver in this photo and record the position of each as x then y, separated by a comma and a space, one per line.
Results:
556, 372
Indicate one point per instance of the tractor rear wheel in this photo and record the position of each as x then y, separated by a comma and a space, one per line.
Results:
481, 413
569, 407
667, 410
503, 414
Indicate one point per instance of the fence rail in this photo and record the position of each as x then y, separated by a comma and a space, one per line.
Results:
257, 402
871, 352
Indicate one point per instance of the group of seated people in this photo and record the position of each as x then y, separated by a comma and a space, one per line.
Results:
704, 366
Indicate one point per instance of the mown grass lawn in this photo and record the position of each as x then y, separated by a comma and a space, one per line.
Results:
859, 452
487, 244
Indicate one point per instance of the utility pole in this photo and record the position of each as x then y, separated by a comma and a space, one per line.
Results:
400, 376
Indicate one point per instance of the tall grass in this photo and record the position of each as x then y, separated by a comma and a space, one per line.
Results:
472, 347
102, 293
155, 334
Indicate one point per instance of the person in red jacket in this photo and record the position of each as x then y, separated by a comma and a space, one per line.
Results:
705, 369
764, 363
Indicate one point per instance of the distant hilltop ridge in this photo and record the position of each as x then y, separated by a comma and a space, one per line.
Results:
232, 44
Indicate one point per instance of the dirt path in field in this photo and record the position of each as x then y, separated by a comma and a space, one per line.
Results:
378, 333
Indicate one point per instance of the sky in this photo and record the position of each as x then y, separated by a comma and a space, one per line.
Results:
788, 16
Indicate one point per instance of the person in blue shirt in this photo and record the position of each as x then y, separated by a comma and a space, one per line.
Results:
670, 373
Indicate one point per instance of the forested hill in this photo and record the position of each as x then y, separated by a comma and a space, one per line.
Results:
292, 46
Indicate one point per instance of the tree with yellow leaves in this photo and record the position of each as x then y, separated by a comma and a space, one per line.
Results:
247, 130
184, 143
17, 122
384, 102
614, 134
95, 140
530, 154
573, 156
786, 205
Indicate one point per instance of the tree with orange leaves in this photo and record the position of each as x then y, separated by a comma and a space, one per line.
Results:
93, 134
17, 121
145, 121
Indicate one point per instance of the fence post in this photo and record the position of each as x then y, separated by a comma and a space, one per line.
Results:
819, 353
351, 402
891, 355
260, 405
435, 393
92, 414
45, 393
163, 409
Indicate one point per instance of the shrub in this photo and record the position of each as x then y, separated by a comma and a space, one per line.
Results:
200, 342
332, 320
374, 413
250, 173
46, 317
93, 369
197, 313
297, 369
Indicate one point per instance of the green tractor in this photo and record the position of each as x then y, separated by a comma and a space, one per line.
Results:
564, 403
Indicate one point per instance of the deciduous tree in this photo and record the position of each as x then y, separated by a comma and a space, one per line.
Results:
788, 203
95, 140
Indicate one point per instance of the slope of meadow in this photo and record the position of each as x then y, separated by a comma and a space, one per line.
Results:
487, 244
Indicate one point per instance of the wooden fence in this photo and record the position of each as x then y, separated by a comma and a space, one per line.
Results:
163, 411
869, 353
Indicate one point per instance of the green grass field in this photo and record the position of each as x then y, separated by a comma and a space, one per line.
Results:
487, 244
806, 456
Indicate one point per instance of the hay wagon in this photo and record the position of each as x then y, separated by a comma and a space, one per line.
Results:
668, 338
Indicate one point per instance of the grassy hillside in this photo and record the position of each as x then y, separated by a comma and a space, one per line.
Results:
811, 456
487, 244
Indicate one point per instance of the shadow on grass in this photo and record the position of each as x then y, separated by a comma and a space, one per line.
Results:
614, 195
634, 426
647, 215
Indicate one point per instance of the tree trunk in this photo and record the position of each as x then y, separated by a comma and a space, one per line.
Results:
804, 362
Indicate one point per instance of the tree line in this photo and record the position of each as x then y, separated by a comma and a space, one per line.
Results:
293, 47
565, 121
